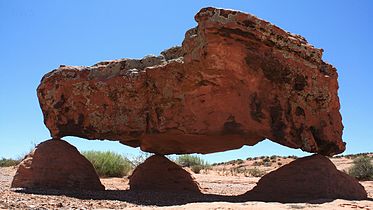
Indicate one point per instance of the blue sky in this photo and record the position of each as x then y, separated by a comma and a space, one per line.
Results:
38, 36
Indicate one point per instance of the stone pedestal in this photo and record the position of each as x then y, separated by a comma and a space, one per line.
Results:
158, 173
55, 164
305, 179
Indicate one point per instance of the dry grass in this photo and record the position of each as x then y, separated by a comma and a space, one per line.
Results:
109, 164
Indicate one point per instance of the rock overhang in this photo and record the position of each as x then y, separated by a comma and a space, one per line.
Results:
235, 81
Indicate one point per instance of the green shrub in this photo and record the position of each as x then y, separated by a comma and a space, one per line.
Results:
196, 168
293, 157
353, 156
109, 164
255, 172
195, 163
190, 160
6, 162
238, 170
273, 157
234, 162
239, 161
257, 163
229, 162
137, 160
362, 168
267, 163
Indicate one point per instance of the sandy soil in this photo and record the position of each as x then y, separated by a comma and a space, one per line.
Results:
219, 192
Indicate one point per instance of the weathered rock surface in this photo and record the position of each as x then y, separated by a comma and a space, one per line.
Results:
305, 179
235, 81
160, 174
55, 164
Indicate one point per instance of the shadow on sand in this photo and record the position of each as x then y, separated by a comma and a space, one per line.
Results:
163, 198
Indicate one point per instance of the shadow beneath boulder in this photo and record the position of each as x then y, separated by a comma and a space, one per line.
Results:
313, 179
159, 198
156, 198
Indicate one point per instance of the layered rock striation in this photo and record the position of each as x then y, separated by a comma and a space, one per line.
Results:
236, 80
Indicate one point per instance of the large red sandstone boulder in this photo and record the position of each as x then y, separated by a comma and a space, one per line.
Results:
305, 179
235, 81
158, 173
55, 164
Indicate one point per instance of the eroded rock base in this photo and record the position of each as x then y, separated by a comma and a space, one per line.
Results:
306, 179
55, 164
158, 173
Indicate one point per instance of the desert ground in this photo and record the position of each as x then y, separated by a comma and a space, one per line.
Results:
221, 185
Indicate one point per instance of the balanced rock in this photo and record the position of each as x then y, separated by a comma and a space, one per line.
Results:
305, 179
55, 164
236, 80
160, 174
